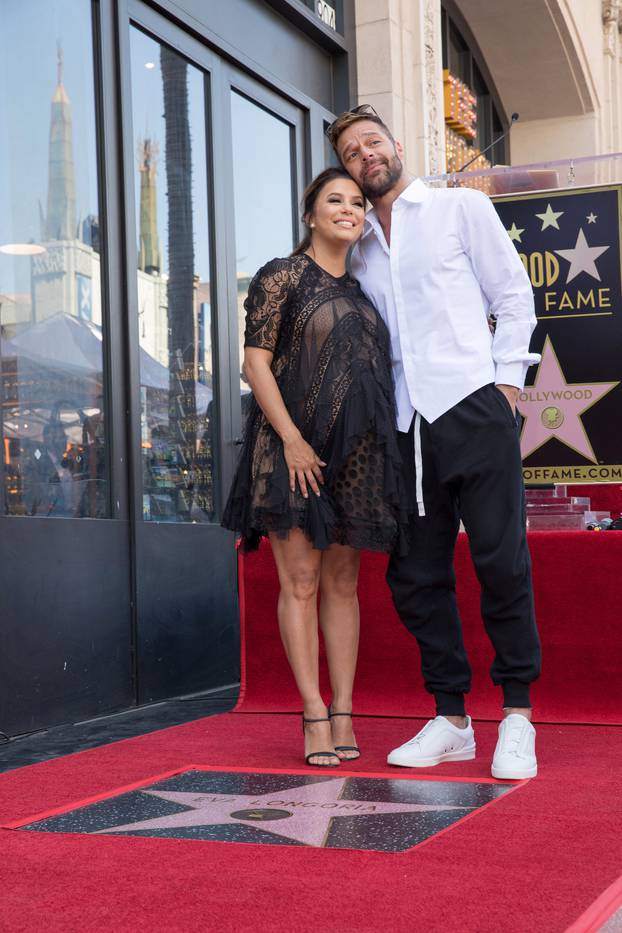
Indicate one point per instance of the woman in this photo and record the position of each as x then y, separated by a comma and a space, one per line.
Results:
319, 472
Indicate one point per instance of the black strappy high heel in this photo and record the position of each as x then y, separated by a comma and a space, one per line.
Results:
345, 748
317, 764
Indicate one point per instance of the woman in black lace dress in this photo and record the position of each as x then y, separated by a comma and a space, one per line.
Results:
319, 473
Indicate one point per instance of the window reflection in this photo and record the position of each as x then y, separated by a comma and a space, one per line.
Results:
264, 196
174, 294
330, 156
51, 350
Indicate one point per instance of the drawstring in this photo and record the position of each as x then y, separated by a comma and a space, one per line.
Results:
419, 467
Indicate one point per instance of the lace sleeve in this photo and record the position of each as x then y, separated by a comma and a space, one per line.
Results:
264, 305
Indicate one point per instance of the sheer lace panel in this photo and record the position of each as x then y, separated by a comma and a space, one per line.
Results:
332, 365
267, 298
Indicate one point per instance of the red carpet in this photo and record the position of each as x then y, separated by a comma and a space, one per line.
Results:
578, 605
533, 861
537, 859
603, 908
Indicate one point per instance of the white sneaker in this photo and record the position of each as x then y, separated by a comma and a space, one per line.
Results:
515, 754
438, 741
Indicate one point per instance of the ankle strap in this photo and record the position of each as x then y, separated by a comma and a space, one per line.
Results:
338, 714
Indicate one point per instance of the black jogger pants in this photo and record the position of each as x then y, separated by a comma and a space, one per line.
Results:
469, 468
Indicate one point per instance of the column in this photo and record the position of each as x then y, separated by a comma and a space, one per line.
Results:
399, 71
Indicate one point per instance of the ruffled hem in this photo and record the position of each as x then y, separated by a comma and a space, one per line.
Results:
322, 534
365, 410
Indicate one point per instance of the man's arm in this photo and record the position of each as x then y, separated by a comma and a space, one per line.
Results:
506, 285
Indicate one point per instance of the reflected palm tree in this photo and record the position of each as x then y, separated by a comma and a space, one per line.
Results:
182, 406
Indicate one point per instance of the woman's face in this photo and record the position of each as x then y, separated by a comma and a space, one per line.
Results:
339, 212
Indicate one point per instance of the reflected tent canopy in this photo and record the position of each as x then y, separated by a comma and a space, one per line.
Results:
75, 344
67, 352
67, 342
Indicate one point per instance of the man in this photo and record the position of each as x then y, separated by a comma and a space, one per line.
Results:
436, 263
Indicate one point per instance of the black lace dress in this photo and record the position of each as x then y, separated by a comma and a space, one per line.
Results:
333, 368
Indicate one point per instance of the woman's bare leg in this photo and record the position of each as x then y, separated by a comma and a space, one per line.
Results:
339, 621
298, 565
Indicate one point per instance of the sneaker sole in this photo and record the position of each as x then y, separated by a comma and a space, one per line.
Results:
509, 775
466, 754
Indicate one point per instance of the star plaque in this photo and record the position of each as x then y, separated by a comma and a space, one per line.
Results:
553, 407
386, 815
571, 250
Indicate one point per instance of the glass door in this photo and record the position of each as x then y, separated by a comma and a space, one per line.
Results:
216, 173
268, 175
173, 283
66, 626
185, 564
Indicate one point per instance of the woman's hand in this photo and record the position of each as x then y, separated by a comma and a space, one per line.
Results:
303, 464
302, 461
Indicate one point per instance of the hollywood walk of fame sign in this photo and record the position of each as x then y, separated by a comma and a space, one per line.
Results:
281, 809
571, 406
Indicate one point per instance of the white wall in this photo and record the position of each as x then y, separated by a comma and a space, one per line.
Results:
554, 61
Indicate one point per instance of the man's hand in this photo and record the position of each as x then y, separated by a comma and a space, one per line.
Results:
511, 393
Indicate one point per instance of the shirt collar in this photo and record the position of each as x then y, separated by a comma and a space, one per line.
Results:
415, 193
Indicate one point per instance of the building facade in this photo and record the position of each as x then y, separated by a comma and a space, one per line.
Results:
557, 63
153, 157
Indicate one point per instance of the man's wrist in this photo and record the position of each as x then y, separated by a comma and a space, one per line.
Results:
512, 391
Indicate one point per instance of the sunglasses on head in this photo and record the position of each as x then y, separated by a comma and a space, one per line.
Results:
361, 110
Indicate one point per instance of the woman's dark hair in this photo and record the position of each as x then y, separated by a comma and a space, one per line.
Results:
309, 199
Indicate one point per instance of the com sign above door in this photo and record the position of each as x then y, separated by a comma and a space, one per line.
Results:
326, 12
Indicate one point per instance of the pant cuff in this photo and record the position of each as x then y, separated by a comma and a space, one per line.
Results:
516, 694
449, 704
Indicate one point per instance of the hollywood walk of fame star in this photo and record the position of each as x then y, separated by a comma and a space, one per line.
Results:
303, 813
582, 258
591, 218
553, 407
549, 218
515, 233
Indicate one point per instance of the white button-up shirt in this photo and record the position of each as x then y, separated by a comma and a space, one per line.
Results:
451, 263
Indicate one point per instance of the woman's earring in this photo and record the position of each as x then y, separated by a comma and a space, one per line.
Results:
312, 225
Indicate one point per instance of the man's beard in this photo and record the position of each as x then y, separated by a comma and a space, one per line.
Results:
381, 183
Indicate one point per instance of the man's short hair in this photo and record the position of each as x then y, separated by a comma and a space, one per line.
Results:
349, 117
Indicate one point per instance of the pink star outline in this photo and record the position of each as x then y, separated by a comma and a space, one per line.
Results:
547, 391
314, 806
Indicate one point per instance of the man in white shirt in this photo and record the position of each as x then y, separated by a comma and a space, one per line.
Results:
436, 263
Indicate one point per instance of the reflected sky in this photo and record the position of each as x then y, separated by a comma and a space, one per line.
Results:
262, 171
28, 66
29, 31
148, 110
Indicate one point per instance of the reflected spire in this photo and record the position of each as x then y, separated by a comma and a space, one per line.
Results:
60, 219
60, 62
149, 257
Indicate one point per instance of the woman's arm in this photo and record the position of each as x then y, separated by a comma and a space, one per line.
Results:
302, 461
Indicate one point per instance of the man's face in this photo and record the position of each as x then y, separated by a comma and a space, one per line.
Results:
370, 157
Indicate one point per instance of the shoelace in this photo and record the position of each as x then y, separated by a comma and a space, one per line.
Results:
512, 741
416, 740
